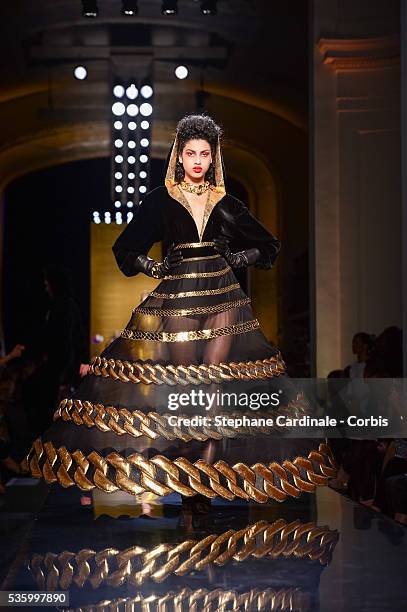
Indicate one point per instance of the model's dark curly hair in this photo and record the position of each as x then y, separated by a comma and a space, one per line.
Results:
200, 127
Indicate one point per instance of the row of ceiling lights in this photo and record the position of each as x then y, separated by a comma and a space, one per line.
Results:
81, 73
130, 7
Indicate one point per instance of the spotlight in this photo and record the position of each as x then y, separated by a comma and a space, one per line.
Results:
118, 91
129, 204
118, 125
169, 7
108, 218
132, 92
181, 72
143, 174
129, 7
144, 142
142, 189
90, 8
118, 175
143, 159
132, 125
118, 109
118, 159
117, 204
131, 159
80, 73
131, 176
145, 125
118, 143
208, 7
146, 91
130, 189
118, 188
131, 144
129, 216
132, 110
145, 109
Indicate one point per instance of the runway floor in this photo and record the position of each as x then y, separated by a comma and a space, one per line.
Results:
110, 552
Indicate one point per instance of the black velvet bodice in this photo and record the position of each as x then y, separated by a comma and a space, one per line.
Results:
162, 218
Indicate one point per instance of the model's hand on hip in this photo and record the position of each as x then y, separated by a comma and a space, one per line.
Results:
159, 269
242, 259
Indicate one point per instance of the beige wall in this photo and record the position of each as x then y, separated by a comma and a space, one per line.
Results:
112, 295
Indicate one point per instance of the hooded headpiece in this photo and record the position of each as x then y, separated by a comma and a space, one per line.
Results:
197, 127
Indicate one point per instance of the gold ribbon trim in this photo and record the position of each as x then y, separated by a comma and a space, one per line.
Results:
148, 374
153, 425
194, 310
200, 293
192, 336
136, 565
216, 273
160, 475
201, 600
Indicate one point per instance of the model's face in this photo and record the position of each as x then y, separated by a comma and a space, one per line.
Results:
196, 157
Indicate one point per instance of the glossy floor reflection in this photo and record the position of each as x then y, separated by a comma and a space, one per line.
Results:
114, 552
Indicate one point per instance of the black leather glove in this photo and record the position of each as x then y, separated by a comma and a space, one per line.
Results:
159, 269
242, 259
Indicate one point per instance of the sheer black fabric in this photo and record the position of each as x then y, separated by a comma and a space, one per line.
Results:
198, 314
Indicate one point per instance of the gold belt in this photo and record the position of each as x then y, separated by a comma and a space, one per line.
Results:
193, 245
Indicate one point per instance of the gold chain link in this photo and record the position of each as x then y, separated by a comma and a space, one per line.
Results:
198, 293
146, 373
154, 425
135, 474
137, 564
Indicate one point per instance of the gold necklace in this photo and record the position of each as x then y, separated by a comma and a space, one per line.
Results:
197, 189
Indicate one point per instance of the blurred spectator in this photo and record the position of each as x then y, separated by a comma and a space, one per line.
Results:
60, 349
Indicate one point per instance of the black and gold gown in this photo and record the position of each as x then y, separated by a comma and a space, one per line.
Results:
196, 330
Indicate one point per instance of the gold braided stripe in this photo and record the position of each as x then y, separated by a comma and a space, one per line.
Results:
136, 372
153, 425
193, 245
136, 564
160, 475
192, 336
194, 310
201, 600
220, 272
198, 293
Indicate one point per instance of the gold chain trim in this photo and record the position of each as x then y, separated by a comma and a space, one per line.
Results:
192, 336
290, 599
146, 373
184, 294
194, 310
193, 245
153, 425
216, 273
135, 565
160, 475
201, 258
